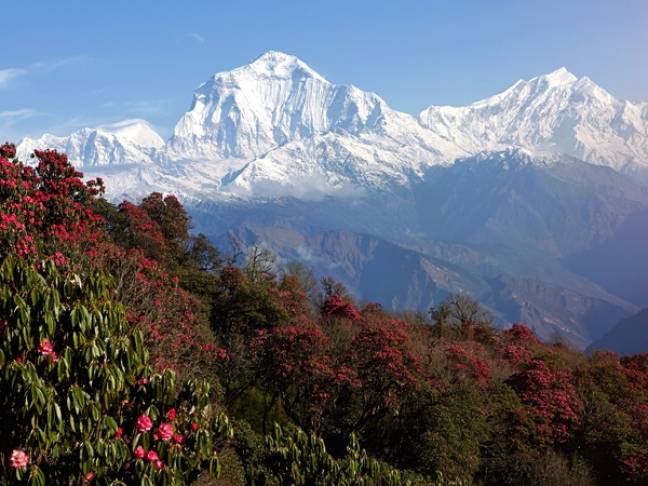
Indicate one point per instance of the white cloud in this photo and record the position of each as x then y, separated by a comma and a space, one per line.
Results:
197, 37
10, 118
53, 64
314, 186
19, 114
8, 74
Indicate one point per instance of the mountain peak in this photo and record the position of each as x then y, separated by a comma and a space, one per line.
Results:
559, 77
130, 141
277, 64
276, 56
138, 131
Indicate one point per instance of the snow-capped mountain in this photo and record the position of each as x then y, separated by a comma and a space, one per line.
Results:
556, 113
276, 128
277, 100
126, 142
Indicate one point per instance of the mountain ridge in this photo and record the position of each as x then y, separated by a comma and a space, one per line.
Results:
269, 127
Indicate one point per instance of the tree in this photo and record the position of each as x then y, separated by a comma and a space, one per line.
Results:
306, 279
295, 366
331, 287
260, 263
551, 402
336, 305
170, 216
459, 310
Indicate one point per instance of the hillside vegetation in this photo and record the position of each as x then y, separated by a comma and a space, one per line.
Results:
133, 352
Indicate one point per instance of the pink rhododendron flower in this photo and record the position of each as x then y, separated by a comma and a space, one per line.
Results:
46, 347
89, 476
194, 426
158, 464
18, 459
144, 423
165, 431
119, 432
139, 452
179, 439
152, 456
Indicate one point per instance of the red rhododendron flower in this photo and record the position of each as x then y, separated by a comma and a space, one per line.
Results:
338, 306
144, 423
179, 439
8, 150
158, 464
18, 459
194, 426
119, 432
59, 259
139, 452
152, 456
165, 431
171, 414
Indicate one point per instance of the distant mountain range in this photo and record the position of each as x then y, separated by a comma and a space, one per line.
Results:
520, 200
630, 336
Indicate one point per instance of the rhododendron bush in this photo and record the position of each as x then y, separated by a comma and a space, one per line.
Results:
79, 398
79, 394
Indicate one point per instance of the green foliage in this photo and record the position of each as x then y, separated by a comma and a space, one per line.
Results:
293, 457
242, 306
456, 426
73, 374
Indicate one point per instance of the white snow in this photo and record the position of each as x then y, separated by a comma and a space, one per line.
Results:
558, 113
275, 127
125, 142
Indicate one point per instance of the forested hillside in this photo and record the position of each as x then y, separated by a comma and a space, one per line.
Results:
133, 352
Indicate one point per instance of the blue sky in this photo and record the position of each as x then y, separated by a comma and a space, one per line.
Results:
64, 65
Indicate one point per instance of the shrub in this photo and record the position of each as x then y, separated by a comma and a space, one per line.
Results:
79, 400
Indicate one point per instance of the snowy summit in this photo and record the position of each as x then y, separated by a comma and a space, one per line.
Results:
275, 127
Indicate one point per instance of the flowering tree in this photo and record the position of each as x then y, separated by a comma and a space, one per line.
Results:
45, 210
337, 306
295, 365
550, 400
383, 370
461, 363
